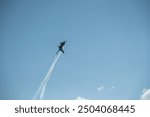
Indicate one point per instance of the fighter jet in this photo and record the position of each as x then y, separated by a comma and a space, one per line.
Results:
61, 47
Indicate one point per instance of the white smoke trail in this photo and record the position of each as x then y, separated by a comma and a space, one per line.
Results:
49, 76
41, 91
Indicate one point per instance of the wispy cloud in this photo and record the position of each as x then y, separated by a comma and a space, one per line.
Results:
81, 98
112, 88
146, 94
100, 88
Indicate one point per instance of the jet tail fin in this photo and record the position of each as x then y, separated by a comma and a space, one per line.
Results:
62, 51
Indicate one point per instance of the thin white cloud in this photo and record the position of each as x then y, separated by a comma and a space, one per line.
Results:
146, 94
100, 88
112, 88
81, 98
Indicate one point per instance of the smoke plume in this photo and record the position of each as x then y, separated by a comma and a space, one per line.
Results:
41, 90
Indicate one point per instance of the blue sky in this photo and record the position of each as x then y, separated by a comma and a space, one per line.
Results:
106, 56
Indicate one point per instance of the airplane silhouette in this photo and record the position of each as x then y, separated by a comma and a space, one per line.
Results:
61, 47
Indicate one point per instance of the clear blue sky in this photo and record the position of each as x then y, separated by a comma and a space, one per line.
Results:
107, 55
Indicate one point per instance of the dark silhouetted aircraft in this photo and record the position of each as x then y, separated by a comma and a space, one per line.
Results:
61, 47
